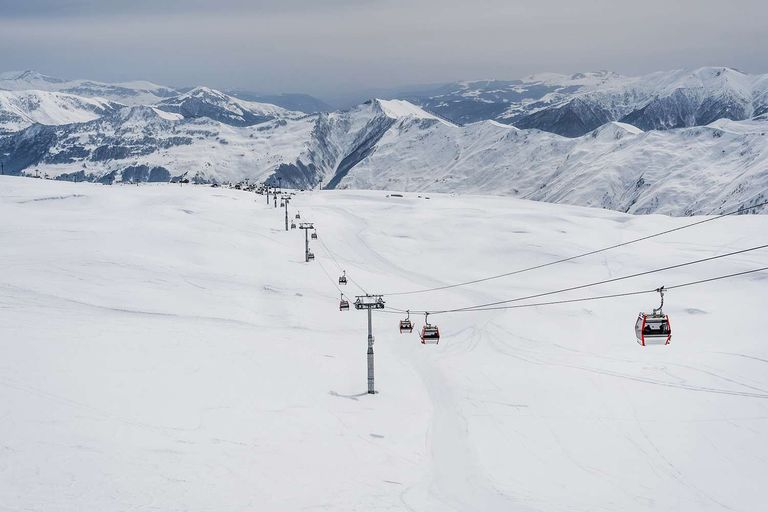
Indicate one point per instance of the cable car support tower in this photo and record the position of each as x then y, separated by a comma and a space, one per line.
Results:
285, 202
306, 226
370, 302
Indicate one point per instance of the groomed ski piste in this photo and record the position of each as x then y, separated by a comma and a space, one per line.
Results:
166, 347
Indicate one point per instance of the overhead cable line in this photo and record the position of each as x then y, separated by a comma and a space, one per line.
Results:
330, 253
585, 299
333, 282
578, 256
605, 281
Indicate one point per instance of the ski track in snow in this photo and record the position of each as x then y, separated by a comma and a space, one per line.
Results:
52, 198
458, 483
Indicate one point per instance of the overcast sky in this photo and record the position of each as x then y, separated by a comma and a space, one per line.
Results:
326, 47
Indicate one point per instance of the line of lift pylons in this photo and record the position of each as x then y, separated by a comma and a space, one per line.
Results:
430, 334
650, 328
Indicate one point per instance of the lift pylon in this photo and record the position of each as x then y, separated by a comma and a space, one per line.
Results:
306, 226
370, 302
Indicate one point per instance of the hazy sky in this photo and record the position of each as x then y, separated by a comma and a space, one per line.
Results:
327, 47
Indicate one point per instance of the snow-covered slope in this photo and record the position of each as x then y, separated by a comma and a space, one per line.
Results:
165, 348
128, 93
20, 109
215, 105
290, 101
678, 172
699, 98
341, 140
146, 143
301, 150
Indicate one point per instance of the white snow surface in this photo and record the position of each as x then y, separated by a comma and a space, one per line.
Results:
617, 166
137, 92
20, 109
230, 104
168, 116
165, 347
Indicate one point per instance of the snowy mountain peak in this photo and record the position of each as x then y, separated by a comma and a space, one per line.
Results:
30, 76
216, 105
714, 79
614, 130
401, 109
716, 71
207, 93
129, 93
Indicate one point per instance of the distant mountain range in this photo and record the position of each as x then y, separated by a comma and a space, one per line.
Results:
677, 143
144, 93
572, 105
127, 93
